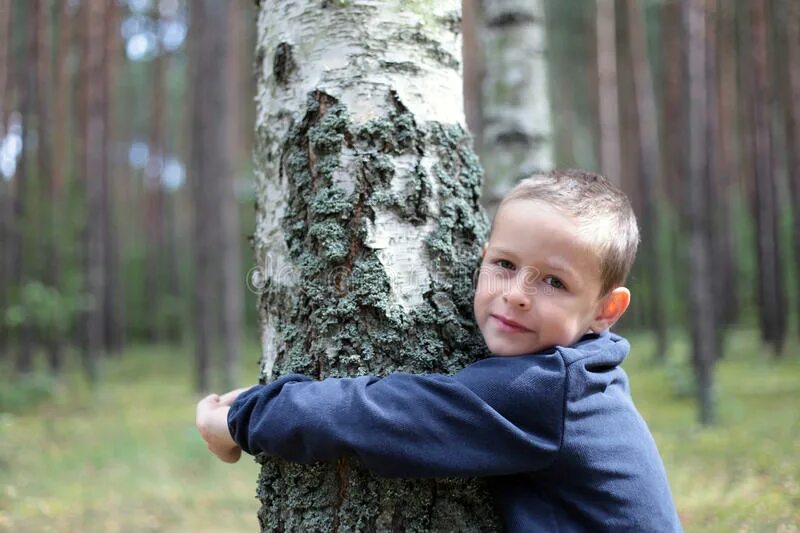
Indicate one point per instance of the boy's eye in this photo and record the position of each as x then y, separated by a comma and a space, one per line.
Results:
504, 263
554, 282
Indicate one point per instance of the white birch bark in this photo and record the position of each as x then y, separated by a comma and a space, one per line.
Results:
368, 230
517, 136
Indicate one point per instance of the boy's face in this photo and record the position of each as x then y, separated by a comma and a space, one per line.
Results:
539, 283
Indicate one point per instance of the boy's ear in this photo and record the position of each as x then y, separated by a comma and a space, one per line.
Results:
610, 308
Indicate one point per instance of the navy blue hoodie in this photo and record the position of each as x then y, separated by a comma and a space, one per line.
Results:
556, 433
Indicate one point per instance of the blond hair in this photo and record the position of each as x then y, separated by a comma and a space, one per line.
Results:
603, 212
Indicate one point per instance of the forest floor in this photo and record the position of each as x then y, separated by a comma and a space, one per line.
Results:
126, 457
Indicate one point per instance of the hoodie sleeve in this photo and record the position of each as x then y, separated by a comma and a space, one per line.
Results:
499, 416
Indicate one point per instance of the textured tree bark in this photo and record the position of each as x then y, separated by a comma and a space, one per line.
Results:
368, 231
517, 129
772, 302
701, 293
608, 98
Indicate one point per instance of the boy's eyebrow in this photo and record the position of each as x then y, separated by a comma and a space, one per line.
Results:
502, 251
558, 263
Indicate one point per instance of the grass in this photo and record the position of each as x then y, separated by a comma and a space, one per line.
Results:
742, 473
126, 457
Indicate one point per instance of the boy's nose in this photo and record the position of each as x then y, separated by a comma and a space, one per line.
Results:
517, 298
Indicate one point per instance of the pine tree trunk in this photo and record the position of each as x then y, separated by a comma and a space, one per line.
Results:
94, 167
112, 324
517, 134
607, 89
793, 121
208, 164
5, 188
727, 165
60, 150
649, 164
154, 199
20, 269
50, 242
230, 227
368, 232
772, 304
704, 335
474, 69
672, 102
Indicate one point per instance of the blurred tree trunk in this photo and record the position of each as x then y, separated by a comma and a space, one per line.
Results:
474, 69
704, 336
50, 242
727, 160
112, 326
20, 269
368, 229
517, 130
793, 121
207, 163
154, 198
607, 87
649, 164
772, 304
95, 168
672, 102
61, 153
230, 256
5, 187
721, 221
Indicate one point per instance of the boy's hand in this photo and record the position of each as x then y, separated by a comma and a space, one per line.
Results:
212, 423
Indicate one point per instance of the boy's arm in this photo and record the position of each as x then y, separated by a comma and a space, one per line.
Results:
497, 416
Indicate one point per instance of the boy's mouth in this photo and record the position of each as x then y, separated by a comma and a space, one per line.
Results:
507, 324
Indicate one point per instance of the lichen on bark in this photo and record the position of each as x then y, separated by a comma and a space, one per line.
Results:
369, 230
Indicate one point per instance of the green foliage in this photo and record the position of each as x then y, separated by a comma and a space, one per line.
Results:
46, 308
26, 392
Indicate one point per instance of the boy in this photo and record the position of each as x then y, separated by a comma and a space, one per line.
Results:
548, 418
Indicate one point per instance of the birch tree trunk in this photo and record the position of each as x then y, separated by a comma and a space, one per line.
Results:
368, 231
517, 129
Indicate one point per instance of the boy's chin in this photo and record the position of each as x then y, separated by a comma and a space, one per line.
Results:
507, 351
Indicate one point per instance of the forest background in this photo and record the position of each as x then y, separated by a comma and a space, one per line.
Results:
126, 193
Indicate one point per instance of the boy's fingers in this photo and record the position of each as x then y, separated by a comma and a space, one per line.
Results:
229, 397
